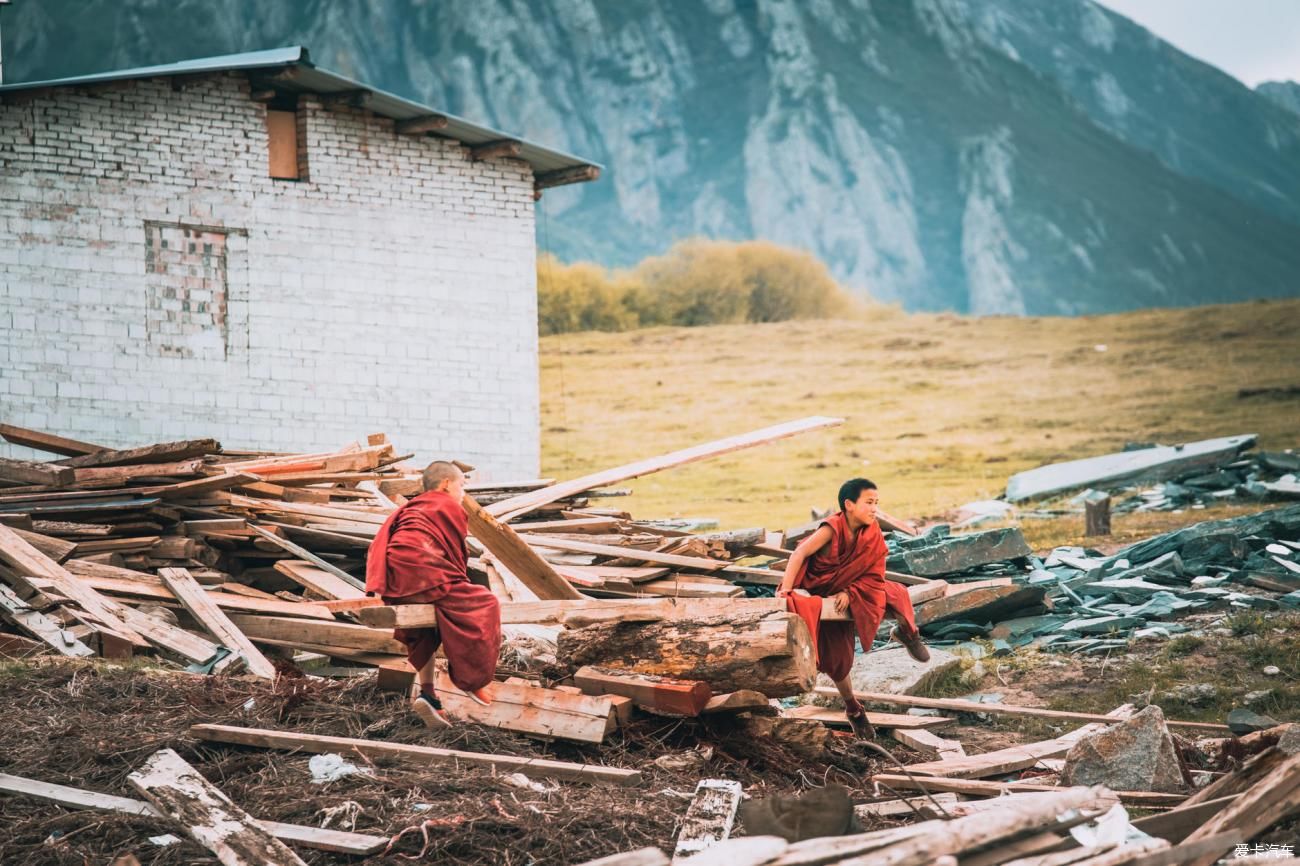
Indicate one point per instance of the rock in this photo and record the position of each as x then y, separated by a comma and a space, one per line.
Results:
964, 552
1102, 624
1271, 670
1253, 698
1135, 755
1242, 721
894, 672
1289, 742
1195, 694
984, 605
801, 736
819, 812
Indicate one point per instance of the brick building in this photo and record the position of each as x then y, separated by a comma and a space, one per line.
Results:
256, 249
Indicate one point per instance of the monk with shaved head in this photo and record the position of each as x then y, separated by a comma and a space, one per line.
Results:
419, 557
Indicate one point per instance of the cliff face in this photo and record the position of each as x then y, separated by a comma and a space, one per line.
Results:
1005, 156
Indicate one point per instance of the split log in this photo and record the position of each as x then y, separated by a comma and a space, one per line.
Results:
209, 817
769, 652
659, 694
529, 709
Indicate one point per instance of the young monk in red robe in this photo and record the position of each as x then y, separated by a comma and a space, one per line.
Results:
845, 559
418, 557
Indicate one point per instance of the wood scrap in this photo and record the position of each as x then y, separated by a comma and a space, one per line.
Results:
709, 819
200, 605
531, 709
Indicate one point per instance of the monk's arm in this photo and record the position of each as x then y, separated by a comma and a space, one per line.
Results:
798, 563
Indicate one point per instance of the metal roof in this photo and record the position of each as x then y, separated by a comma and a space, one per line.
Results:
306, 77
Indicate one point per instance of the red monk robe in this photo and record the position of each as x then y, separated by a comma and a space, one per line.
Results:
854, 564
418, 557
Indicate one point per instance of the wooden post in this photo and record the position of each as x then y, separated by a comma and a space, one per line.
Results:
1096, 513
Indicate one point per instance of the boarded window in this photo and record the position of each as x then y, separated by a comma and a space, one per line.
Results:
282, 144
187, 300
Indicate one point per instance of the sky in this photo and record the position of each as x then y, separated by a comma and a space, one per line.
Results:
1254, 40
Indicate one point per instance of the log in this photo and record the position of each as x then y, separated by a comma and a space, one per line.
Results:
660, 694
767, 652
419, 755
207, 815
1096, 513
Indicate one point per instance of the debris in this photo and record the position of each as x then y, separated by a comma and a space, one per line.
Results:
690, 760
709, 819
816, 813
331, 767
527, 708
926, 557
1137, 754
1271, 670
519, 780
800, 735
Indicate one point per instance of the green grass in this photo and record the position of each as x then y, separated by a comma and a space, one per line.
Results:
940, 409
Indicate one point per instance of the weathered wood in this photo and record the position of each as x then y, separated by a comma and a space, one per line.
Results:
888, 721
983, 605
550, 542
57, 549
319, 838
982, 788
225, 597
1271, 799
522, 561
421, 125
562, 176
304, 554
208, 816
420, 755
95, 609
1242, 779
1177, 824
176, 641
47, 442
163, 452
660, 694
738, 701
515, 506
496, 149
768, 652
293, 631
928, 743
31, 472
196, 600
956, 705
318, 580
710, 817
40, 626
529, 709
926, 807
1096, 514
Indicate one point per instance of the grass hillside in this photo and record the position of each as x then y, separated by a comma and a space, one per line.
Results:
940, 409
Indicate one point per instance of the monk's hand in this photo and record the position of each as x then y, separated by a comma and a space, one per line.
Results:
782, 592
841, 602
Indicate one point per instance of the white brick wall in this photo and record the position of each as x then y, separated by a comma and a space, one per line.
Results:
393, 291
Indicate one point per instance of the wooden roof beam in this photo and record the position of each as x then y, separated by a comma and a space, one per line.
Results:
496, 149
350, 98
421, 125
560, 177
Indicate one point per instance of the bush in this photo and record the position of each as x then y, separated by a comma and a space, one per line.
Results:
696, 282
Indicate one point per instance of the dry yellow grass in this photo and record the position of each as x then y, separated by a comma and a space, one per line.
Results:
940, 409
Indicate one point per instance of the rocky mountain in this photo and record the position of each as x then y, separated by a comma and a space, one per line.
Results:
1284, 93
999, 156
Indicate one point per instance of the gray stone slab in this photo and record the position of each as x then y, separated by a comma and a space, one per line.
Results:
964, 552
894, 672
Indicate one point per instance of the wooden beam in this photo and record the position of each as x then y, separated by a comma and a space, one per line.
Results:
420, 755
515, 506
207, 815
196, 600
262, 94
421, 125
338, 841
31, 472
929, 744
201, 486
303, 553
320, 581
230, 601
660, 694
1271, 799
40, 626
563, 176
95, 609
312, 631
956, 705
888, 721
699, 563
529, 709
48, 442
162, 452
981, 788
506, 147
349, 98
522, 561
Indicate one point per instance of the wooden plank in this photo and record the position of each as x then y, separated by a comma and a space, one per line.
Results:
1177, 824
27, 560
981, 788
699, 563
888, 721
163, 452
511, 550
229, 601
47, 442
176, 641
207, 815
735, 702
56, 549
113, 475
318, 580
196, 600
1271, 799
906, 806
31, 472
338, 841
660, 694
303, 553
956, 705
420, 755
710, 817
311, 631
515, 506
202, 486
529, 709
40, 626
929, 744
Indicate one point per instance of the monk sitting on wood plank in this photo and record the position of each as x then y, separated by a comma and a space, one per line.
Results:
845, 558
419, 557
